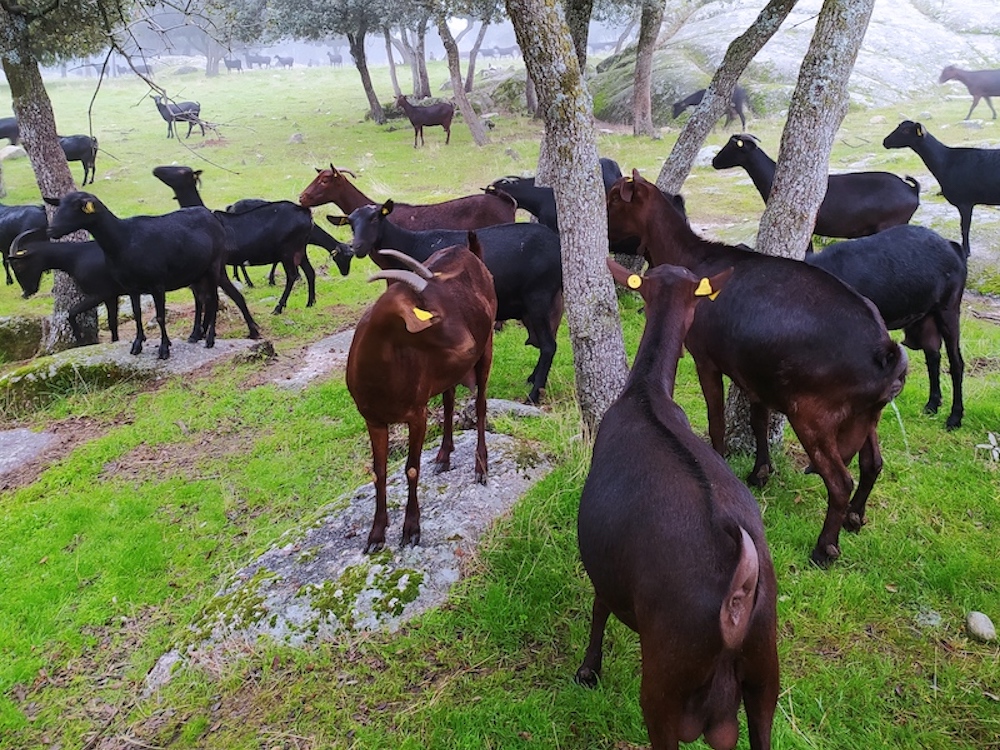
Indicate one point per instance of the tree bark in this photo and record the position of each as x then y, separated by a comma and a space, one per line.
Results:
738, 55
357, 45
591, 302
458, 90
649, 31
578, 13
422, 85
470, 75
396, 92
530, 96
36, 121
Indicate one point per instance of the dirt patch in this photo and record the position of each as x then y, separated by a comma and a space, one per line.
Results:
65, 435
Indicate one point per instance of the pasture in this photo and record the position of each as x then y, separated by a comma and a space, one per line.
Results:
109, 555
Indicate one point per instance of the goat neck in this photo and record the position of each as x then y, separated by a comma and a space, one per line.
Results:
80, 210
331, 186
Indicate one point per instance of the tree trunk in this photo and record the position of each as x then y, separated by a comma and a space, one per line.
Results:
422, 85
470, 75
649, 31
454, 67
396, 92
578, 13
531, 96
357, 44
591, 302
36, 121
623, 37
738, 55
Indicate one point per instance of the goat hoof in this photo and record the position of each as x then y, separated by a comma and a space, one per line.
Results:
411, 539
481, 477
854, 522
931, 408
374, 546
442, 466
953, 423
254, 334
759, 477
277, 310
136, 348
825, 557
163, 353
587, 677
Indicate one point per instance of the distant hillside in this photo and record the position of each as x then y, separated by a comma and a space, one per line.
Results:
907, 44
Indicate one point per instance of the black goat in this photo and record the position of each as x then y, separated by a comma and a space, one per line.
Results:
13, 221
81, 148
9, 130
916, 279
433, 114
336, 60
856, 203
982, 84
967, 176
735, 109
189, 112
524, 259
232, 65
32, 254
156, 254
284, 62
261, 61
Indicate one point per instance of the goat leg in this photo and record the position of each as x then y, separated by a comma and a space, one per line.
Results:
482, 375
442, 462
160, 301
378, 434
760, 418
140, 335
411, 520
590, 670
869, 468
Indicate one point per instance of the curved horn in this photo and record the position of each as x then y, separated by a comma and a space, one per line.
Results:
407, 277
346, 171
31, 235
412, 263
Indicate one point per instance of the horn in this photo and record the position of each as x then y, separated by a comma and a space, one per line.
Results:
346, 171
30, 235
412, 263
407, 277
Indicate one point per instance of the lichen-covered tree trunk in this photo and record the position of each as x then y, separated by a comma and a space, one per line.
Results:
649, 30
458, 90
738, 55
356, 41
571, 142
392, 62
470, 74
422, 85
578, 13
36, 121
818, 106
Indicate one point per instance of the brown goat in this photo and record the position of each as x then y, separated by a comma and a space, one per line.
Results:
794, 337
433, 114
982, 84
428, 332
468, 212
683, 562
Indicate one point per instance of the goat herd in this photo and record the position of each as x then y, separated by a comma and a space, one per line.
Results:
807, 339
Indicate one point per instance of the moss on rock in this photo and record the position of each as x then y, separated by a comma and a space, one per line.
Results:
20, 338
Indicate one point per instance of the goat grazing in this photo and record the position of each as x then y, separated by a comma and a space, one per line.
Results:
967, 176
982, 84
735, 109
916, 279
156, 254
284, 62
189, 112
794, 337
433, 114
232, 65
13, 221
469, 212
856, 204
684, 563
336, 60
9, 130
32, 254
261, 61
524, 259
81, 148
427, 333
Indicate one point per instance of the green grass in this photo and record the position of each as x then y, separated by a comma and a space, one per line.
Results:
113, 551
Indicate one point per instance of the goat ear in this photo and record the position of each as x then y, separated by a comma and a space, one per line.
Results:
624, 276
920, 130
417, 319
710, 287
89, 208
628, 189
387, 207
338, 221
51, 201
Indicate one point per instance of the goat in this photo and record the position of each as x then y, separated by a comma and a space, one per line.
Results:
469, 212
31, 255
683, 563
524, 259
335, 59
433, 114
967, 176
259, 233
284, 62
9, 130
81, 148
154, 255
916, 279
13, 221
232, 65
794, 337
261, 61
982, 84
423, 336
189, 112
856, 204
737, 102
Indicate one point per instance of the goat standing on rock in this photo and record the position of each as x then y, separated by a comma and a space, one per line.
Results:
684, 563
433, 114
427, 333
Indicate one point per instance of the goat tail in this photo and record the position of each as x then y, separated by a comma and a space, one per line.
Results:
913, 183
738, 604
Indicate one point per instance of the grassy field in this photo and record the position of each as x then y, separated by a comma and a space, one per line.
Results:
111, 553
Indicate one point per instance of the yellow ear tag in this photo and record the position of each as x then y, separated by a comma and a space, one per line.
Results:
629, 179
920, 132
634, 281
384, 212
422, 314
739, 143
705, 289
88, 207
